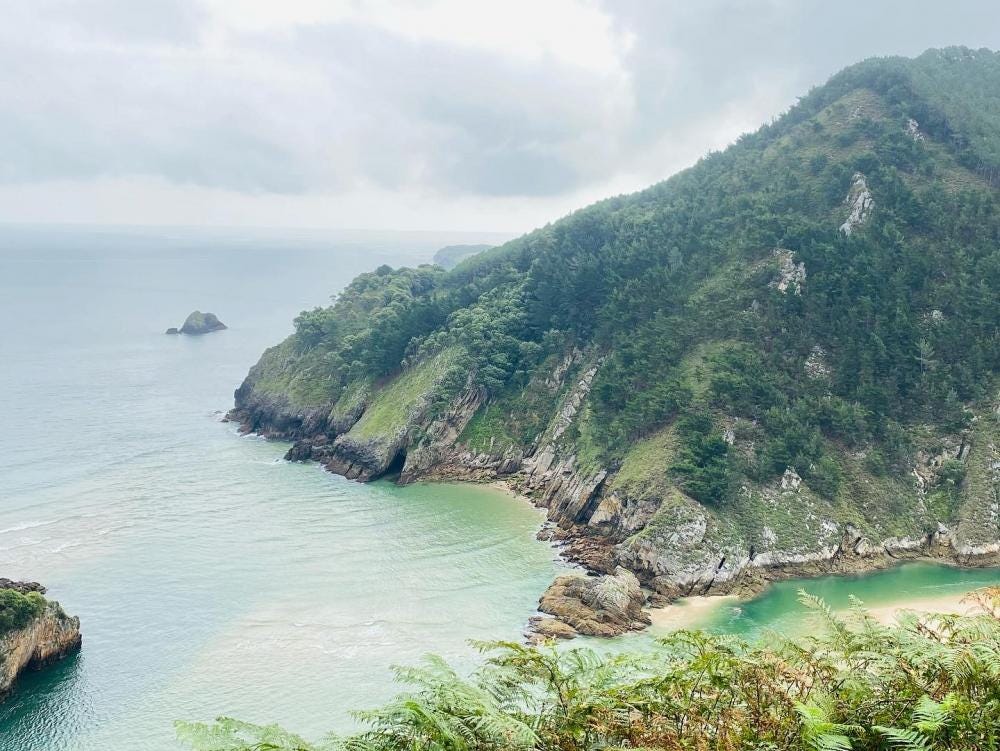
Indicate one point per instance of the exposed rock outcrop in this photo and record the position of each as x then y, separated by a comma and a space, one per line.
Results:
199, 323
542, 628
816, 365
21, 587
791, 275
608, 605
860, 203
46, 638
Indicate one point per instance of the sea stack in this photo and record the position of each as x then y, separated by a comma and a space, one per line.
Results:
199, 323
34, 631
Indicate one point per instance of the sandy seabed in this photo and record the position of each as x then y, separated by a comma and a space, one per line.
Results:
695, 612
689, 612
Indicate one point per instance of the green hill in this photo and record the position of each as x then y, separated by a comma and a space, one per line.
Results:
782, 360
450, 256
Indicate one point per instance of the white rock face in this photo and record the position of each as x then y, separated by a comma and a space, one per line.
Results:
816, 366
913, 130
790, 480
791, 275
860, 201
616, 593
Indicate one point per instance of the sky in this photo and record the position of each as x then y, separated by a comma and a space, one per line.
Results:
431, 114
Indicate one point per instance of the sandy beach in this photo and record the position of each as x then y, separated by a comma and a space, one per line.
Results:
695, 612
958, 604
690, 612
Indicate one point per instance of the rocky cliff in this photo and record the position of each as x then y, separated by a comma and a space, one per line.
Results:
37, 632
630, 517
780, 362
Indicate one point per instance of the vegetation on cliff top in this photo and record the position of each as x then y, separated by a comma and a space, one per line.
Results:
728, 303
928, 682
18, 609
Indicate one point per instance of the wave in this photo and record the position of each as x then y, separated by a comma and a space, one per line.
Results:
24, 526
67, 546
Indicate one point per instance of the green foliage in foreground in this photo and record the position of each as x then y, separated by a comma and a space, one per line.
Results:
932, 682
18, 610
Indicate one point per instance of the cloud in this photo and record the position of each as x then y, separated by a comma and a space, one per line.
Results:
509, 110
328, 106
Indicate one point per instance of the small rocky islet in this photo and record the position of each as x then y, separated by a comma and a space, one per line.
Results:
34, 631
198, 323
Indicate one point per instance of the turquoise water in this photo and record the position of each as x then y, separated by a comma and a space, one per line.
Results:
211, 577
778, 608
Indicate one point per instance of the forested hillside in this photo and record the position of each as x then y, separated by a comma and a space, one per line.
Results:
450, 256
781, 360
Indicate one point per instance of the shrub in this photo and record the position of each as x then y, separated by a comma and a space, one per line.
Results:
825, 476
702, 464
952, 472
17, 609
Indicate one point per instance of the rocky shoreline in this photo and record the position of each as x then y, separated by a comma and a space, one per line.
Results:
671, 545
608, 599
46, 638
580, 603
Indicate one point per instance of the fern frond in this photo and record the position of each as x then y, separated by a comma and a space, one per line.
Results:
908, 740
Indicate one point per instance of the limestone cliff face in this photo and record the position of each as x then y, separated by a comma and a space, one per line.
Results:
47, 638
860, 204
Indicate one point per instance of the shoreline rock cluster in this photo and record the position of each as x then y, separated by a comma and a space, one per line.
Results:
664, 545
607, 605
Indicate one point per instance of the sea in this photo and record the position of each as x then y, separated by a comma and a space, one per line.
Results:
211, 577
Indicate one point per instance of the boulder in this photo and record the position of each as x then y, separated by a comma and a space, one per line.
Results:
542, 629
608, 605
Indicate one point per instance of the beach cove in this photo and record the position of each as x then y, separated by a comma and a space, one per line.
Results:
212, 577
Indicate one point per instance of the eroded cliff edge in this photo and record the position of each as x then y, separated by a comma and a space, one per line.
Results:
633, 518
34, 631
780, 362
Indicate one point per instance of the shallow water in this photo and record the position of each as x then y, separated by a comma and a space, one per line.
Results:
210, 576
914, 585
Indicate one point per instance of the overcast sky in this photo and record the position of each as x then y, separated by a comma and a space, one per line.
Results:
432, 114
